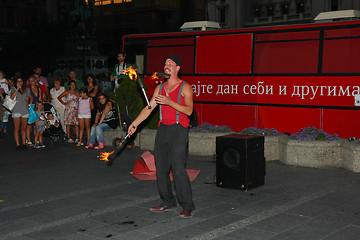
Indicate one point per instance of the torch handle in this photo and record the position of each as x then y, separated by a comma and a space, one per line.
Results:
147, 100
117, 151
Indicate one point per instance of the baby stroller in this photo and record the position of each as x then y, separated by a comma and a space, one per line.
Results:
124, 122
54, 131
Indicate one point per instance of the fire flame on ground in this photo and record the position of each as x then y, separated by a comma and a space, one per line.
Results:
131, 72
104, 156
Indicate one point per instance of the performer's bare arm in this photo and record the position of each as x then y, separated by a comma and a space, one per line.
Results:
144, 113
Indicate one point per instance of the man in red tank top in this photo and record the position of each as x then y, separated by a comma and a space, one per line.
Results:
175, 98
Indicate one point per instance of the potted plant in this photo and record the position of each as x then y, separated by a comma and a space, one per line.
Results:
311, 147
271, 144
202, 139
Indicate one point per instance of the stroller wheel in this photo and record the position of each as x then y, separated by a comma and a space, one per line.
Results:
116, 142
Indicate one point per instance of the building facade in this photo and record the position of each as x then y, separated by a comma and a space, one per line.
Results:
24, 28
116, 18
252, 13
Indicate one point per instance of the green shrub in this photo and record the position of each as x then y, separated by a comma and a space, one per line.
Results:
210, 128
314, 134
129, 94
260, 132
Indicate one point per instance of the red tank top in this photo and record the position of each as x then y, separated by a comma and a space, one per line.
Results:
169, 113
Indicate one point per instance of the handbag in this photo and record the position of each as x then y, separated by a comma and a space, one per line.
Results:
9, 103
33, 116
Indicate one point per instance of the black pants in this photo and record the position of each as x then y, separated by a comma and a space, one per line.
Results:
170, 153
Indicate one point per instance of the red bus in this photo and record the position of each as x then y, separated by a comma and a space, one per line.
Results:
282, 77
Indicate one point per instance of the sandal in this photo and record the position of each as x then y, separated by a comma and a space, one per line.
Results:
100, 146
70, 141
90, 145
29, 144
76, 140
79, 144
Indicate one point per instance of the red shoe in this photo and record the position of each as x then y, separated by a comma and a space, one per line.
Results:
100, 146
186, 213
159, 209
90, 145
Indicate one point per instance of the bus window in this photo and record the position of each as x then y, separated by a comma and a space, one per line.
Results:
341, 51
287, 52
156, 58
341, 55
224, 54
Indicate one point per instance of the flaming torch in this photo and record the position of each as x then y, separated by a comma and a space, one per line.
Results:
154, 76
158, 75
104, 156
131, 72
109, 157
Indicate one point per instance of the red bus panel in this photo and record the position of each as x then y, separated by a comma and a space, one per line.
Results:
156, 58
283, 119
271, 37
341, 56
288, 119
268, 77
342, 122
171, 41
303, 35
286, 90
287, 36
341, 33
238, 117
286, 57
224, 54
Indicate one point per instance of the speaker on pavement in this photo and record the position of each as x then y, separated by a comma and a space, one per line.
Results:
240, 161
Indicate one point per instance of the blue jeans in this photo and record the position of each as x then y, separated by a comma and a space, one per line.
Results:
98, 133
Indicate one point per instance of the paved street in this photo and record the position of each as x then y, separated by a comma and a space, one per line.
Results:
64, 192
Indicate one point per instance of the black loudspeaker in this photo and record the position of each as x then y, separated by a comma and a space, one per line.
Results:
240, 161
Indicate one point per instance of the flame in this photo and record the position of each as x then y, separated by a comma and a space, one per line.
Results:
154, 77
105, 155
131, 72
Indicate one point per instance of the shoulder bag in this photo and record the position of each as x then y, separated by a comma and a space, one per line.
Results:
9, 103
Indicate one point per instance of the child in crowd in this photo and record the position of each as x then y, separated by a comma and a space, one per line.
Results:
11, 83
52, 120
3, 111
54, 127
40, 125
71, 110
4, 83
86, 104
4, 122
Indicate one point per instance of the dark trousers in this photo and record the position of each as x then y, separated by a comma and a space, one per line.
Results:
170, 153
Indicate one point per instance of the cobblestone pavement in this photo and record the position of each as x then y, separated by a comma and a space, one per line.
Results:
65, 192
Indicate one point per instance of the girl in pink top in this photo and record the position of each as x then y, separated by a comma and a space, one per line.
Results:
85, 106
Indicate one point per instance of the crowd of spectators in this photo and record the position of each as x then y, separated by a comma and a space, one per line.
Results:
80, 108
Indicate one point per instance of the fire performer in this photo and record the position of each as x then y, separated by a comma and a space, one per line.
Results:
175, 99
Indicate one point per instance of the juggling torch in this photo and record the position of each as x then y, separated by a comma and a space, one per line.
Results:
141, 84
109, 157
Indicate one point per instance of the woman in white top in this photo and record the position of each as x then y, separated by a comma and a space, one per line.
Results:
56, 91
